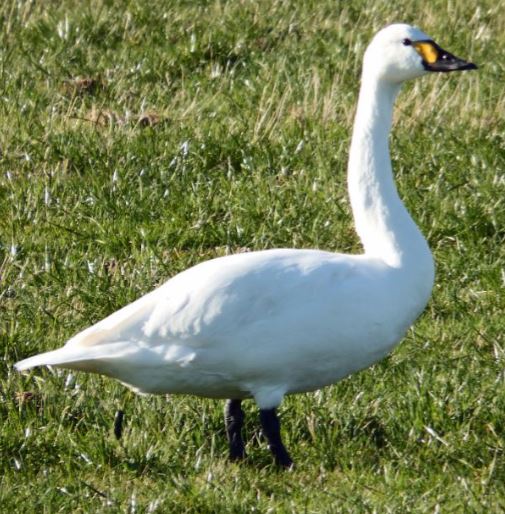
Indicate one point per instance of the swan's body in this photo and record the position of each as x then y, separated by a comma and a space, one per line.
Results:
259, 324
269, 323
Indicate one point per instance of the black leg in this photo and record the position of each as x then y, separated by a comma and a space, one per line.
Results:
234, 420
272, 431
118, 424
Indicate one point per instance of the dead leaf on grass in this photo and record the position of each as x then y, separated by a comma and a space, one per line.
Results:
82, 85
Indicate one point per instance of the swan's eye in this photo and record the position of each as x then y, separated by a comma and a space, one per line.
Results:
407, 41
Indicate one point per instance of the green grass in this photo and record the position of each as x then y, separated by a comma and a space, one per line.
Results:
213, 127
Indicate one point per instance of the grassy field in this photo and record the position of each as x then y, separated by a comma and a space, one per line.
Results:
139, 138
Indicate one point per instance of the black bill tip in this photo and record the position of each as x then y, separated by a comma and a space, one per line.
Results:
448, 62
470, 66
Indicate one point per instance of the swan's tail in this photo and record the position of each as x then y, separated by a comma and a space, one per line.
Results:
76, 357
42, 359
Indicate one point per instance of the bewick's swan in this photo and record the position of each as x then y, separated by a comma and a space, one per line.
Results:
269, 323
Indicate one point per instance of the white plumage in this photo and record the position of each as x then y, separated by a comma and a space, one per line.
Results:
270, 323
256, 324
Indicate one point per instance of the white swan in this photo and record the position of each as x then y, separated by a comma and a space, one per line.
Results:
275, 322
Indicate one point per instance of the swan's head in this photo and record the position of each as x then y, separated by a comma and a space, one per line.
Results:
400, 52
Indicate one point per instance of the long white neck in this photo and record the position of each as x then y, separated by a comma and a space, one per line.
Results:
383, 224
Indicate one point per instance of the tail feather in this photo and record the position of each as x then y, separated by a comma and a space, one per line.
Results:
42, 359
70, 357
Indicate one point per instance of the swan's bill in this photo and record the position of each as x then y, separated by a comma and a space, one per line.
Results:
437, 59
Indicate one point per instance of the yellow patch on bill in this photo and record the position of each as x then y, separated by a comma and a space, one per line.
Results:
427, 51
